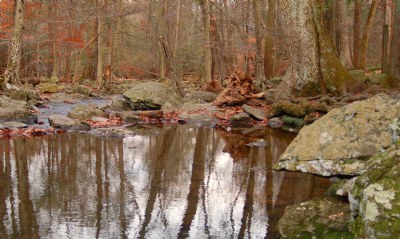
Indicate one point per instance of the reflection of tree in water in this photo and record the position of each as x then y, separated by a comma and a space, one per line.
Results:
236, 143
196, 182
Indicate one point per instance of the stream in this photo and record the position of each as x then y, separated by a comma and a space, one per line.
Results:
165, 182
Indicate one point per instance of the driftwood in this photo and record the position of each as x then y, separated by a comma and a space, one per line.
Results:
240, 89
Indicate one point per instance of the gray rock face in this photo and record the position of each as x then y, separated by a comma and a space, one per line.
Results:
13, 110
85, 112
152, 96
119, 103
375, 197
241, 120
13, 125
254, 112
341, 141
61, 121
202, 96
317, 218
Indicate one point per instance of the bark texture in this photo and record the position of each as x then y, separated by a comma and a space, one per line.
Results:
315, 66
11, 74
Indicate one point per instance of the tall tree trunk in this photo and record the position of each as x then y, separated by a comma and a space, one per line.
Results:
342, 40
11, 74
78, 67
357, 34
394, 78
315, 67
100, 45
207, 41
53, 34
269, 41
259, 32
366, 33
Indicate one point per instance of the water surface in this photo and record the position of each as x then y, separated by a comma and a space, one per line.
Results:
166, 182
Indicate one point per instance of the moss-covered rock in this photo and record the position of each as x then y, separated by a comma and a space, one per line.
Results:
152, 96
317, 218
340, 142
375, 197
85, 112
49, 88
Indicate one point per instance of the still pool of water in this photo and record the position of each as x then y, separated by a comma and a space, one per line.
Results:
165, 182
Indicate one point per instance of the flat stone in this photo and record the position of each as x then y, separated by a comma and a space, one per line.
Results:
254, 112
61, 121
98, 119
13, 125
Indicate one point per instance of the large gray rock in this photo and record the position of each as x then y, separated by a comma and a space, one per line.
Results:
317, 218
254, 112
61, 121
341, 141
13, 110
152, 96
13, 125
375, 197
85, 112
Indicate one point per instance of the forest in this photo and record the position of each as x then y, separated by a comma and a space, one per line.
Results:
200, 119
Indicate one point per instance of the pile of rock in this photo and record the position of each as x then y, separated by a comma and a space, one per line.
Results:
361, 141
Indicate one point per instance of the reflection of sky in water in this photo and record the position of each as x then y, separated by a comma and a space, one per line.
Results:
80, 186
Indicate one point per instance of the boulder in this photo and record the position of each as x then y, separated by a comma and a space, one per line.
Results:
375, 197
317, 218
13, 125
14, 110
254, 112
127, 116
98, 119
61, 121
241, 120
83, 90
275, 122
119, 103
340, 142
49, 88
202, 96
85, 112
152, 96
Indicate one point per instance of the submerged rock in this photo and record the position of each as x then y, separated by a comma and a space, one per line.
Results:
152, 96
114, 133
341, 141
317, 218
375, 197
241, 120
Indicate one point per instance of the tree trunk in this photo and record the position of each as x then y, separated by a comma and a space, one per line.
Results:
259, 40
394, 78
53, 34
207, 41
342, 40
100, 46
11, 74
315, 67
357, 34
365, 37
269, 41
